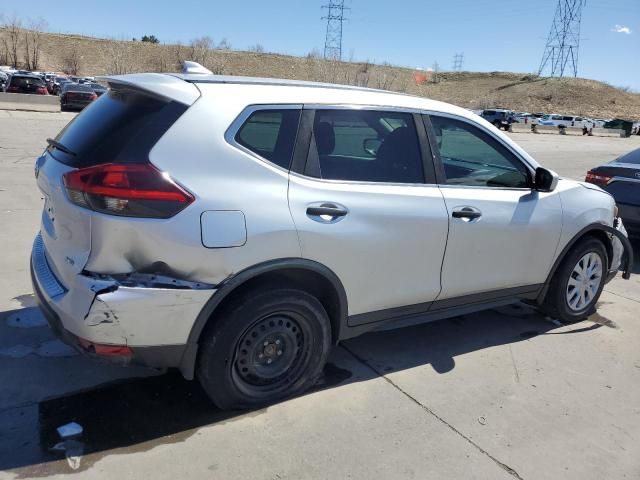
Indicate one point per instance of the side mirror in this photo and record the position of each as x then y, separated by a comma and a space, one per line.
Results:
371, 145
545, 180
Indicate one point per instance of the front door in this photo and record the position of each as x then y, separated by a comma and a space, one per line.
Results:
502, 234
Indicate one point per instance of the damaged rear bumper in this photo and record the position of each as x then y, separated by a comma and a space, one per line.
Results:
150, 319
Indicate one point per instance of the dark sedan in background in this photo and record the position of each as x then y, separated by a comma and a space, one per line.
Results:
621, 178
76, 96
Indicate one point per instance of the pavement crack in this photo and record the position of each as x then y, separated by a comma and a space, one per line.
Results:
622, 296
515, 367
500, 464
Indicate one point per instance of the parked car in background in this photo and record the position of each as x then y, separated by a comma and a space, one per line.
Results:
97, 88
500, 118
522, 117
58, 83
26, 83
76, 96
621, 178
3, 81
304, 214
562, 120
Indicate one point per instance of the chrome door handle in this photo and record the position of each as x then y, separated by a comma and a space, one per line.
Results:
466, 213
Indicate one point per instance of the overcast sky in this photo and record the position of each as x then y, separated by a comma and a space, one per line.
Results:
492, 34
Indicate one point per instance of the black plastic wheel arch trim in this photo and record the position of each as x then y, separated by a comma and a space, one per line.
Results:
187, 364
627, 256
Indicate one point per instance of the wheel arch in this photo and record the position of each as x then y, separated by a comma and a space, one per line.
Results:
304, 274
601, 232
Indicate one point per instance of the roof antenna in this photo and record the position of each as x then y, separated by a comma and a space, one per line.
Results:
194, 67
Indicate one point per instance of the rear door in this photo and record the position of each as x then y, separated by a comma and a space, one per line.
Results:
365, 205
502, 234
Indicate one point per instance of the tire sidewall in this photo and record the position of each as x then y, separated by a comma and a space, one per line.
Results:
218, 351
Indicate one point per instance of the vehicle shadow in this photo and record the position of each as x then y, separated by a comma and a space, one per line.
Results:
137, 414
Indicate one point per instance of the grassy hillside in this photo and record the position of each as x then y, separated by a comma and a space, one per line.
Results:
523, 92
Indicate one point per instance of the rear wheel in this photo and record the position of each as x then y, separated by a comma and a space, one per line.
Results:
578, 282
264, 347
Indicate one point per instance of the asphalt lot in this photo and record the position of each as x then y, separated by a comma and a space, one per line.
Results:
499, 394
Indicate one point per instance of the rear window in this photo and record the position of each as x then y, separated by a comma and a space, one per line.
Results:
631, 157
25, 81
271, 134
76, 87
120, 127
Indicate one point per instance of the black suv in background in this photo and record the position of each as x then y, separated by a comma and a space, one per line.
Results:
24, 83
499, 117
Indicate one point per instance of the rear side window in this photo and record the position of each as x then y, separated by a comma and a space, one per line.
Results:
120, 127
365, 146
271, 134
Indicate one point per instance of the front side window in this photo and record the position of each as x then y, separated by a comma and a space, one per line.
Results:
271, 134
367, 146
471, 157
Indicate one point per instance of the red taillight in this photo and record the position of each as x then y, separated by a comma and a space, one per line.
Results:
132, 190
597, 178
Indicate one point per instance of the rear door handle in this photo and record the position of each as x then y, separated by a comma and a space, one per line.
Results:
326, 212
466, 213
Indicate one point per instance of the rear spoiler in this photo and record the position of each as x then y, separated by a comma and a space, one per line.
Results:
159, 85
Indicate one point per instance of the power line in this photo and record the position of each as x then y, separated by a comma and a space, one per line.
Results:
458, 60
563, 43
333, 37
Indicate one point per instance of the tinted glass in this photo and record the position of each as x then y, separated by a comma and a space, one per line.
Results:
271, 134
471, 157
120, 126
74, 87
368, 146
26, 81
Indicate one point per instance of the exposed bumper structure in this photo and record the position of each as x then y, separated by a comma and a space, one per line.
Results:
622, 249
150, 324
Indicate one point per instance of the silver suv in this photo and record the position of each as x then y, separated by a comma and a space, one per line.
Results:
237, 228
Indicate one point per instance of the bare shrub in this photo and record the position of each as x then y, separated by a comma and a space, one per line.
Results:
13, 27
224, 44
33, 39
200, 50
118, 57
71, 62
257, 48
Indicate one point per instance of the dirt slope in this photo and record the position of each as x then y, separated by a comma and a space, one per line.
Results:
467, 89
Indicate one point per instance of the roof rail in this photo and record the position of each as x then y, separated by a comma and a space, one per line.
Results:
194, 67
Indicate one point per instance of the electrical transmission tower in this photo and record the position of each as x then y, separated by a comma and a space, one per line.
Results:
333, 39
561, 50
458, 59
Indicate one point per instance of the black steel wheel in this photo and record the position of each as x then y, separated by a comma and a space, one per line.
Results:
263, 348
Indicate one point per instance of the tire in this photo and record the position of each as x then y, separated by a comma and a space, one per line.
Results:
264, 347
497, 124
575, 302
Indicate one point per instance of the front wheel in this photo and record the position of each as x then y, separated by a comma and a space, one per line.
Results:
264, 347
577, 284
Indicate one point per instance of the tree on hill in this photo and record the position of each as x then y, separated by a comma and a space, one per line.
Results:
150, 39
